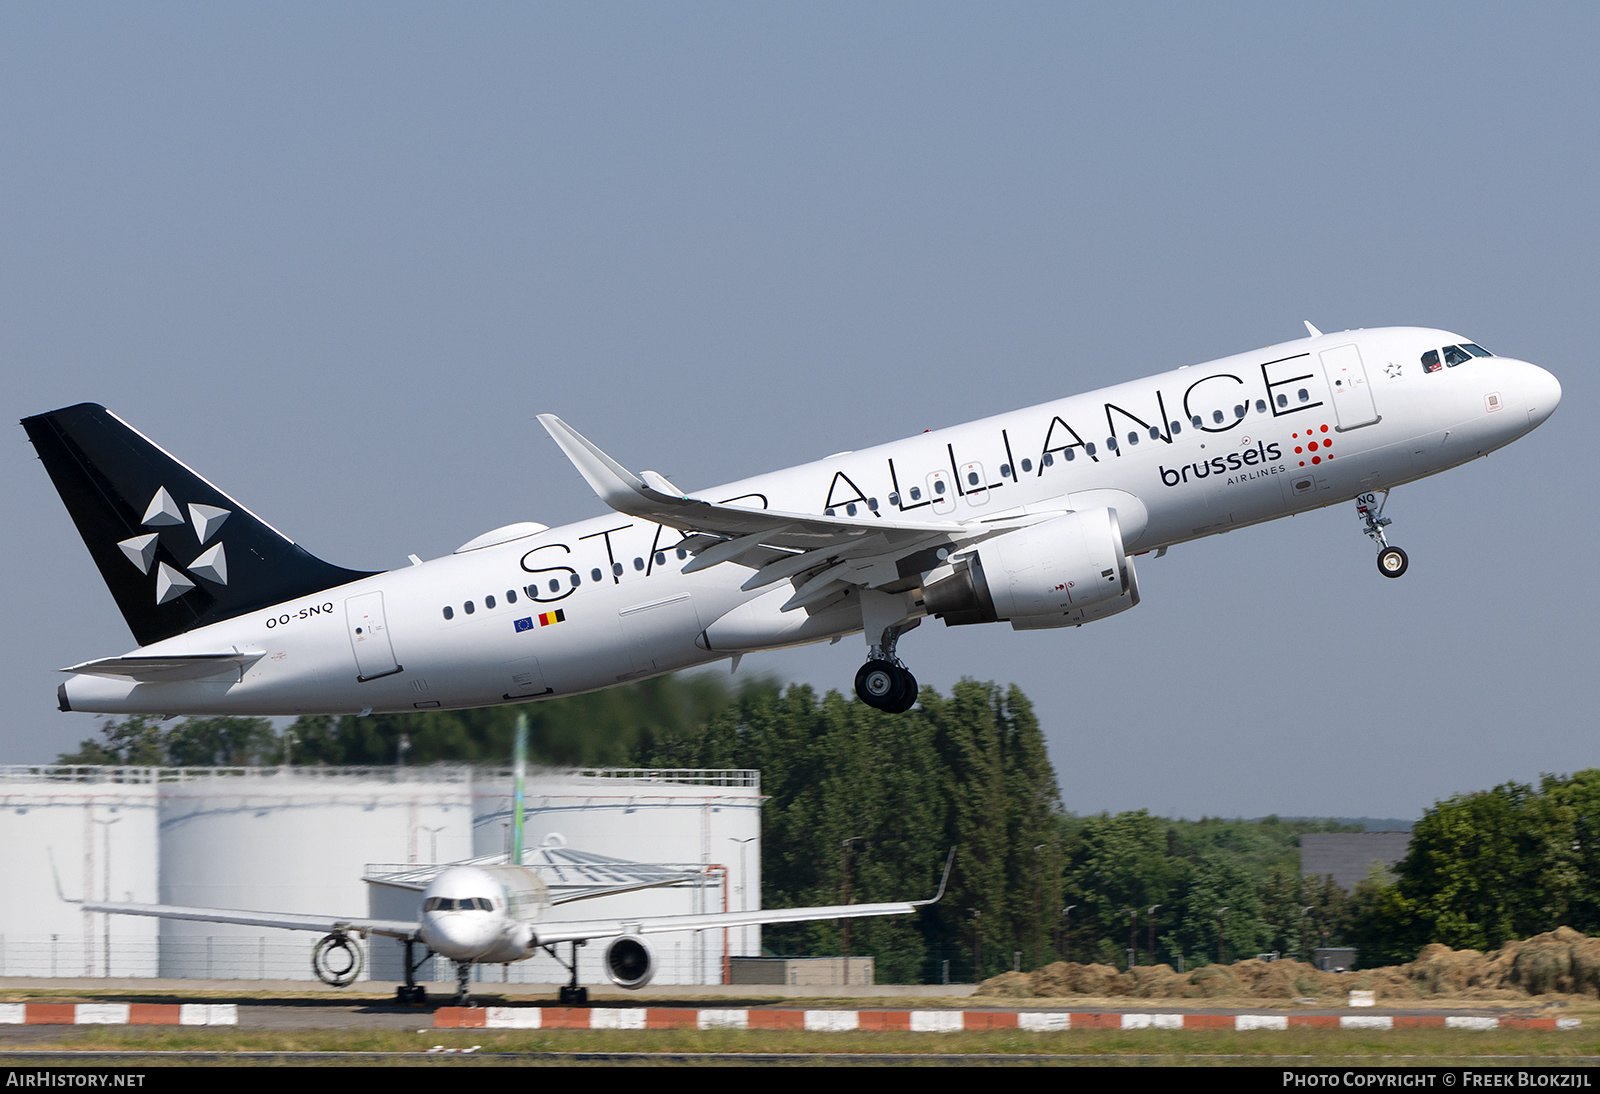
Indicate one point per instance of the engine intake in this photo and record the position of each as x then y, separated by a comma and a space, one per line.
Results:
630, 962
1062, 573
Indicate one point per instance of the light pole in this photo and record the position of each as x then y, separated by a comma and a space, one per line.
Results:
1133, 937
106, 944
1066, 937
1150, 921
1219, 932
844, 851
744, 905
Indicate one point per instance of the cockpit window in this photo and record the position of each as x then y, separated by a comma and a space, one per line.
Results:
1475, 349
1430, 361
1455, 355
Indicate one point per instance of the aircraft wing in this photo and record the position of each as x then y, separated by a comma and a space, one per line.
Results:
580, 930
288, 921
778, 545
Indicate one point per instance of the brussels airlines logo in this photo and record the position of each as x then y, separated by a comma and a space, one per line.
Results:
1262, 453
163, 512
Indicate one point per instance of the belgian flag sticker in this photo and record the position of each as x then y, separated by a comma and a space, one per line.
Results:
557, 616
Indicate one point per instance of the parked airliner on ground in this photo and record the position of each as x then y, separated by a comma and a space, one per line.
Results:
1029, 517
496, 914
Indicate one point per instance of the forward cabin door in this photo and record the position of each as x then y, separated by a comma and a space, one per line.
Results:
1347, 381
369, 636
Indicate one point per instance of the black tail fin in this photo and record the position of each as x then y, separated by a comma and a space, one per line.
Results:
177, 552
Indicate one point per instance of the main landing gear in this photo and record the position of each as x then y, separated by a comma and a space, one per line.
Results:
887, 685
1392, 561
883, 682
412, 994
572, 994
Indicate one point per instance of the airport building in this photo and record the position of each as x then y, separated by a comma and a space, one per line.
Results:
360, 842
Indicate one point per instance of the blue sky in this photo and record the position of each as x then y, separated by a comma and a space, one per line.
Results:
336, 257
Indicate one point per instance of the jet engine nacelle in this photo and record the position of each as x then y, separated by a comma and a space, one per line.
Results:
630, 962
1062, 573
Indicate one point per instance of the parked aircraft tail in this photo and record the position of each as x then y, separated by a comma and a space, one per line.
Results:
176, 552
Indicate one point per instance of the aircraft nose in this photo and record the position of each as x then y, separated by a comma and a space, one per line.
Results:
1543, 393
456, 935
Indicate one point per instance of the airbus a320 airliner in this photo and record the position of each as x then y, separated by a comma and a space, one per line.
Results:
1031, 518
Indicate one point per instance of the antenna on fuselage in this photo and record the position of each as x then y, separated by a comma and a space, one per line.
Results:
1313, 331
519, 765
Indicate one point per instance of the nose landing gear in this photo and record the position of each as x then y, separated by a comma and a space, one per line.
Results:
1392, 561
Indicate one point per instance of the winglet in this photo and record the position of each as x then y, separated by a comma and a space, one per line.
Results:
1313, 331
51, 852
615, 484
948, 862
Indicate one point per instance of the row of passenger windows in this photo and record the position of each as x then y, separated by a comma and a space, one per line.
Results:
1070, 454
532, 591
1453, 356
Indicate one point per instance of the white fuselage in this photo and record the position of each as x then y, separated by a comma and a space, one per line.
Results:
1172, 454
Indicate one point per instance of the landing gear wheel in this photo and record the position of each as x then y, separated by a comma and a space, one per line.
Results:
1392, 562
414, 996
880, 684
908, 693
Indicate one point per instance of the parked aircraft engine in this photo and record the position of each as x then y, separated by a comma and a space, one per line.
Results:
630, 962
1061, 573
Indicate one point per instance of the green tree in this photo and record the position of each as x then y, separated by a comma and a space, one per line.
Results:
135, 741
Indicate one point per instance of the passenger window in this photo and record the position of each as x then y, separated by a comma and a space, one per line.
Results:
1216, 416
1238, 411
916, 493
1069, 454
511, 596
1198, 424
1283, 400
1049, 459
894, 499
1088, 449
1111, 443
661, 558
972, 478
938, 486
488, 602
555, 585
1176, 428
1261, 406
616, 569
850, 510
467, 607
449, 612
1155, 433
682, 553
1133, 438
1305, 396
872, 503
594, 574
575, 580
1027, 465
1005, 471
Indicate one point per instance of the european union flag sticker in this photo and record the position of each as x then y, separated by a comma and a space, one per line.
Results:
525, 624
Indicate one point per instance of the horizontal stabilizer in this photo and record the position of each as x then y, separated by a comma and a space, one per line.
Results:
190, 666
